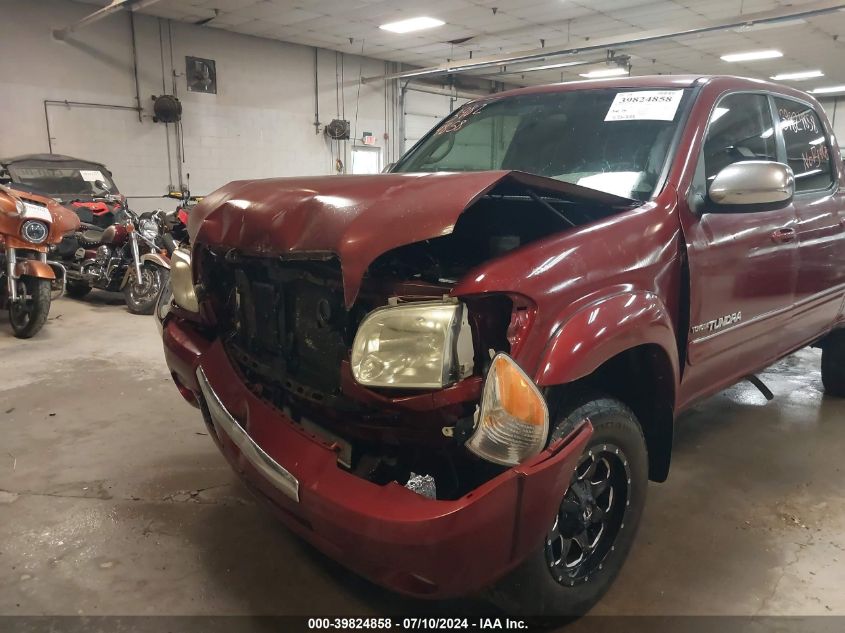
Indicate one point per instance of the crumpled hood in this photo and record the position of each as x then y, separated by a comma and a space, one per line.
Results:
356, 218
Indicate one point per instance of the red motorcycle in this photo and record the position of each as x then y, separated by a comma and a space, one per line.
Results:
71, 181
176, 223
128, 256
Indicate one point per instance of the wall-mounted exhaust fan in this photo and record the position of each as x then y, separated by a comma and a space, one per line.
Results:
338, 130
166, 109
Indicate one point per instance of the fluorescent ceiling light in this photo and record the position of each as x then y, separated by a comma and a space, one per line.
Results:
605, 72
827, 89
412, 24
751, 56
804, 74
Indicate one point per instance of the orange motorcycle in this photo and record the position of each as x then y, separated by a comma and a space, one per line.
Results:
29, 225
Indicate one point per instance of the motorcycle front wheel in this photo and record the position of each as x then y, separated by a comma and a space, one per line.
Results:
29, 313
141, 296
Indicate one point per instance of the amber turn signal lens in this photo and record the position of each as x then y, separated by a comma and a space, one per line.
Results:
513, 420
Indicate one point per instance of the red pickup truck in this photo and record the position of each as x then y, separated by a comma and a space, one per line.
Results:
460, 375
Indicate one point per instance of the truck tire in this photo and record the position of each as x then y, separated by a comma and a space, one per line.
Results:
29, 316
833, 364
597, 521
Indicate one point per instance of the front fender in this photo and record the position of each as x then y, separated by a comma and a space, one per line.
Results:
33, 268
603, 329
154, 258
157, 259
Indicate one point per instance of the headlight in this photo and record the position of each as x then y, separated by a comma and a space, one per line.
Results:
182, 280
34, 231
513, 420
421, 345
148, 228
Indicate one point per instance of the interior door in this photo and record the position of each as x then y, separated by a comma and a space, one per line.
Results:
743, 264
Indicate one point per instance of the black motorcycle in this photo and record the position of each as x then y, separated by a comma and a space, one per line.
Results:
176, 222
129, 256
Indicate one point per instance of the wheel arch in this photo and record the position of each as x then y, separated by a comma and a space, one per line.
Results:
641, 378
623, 346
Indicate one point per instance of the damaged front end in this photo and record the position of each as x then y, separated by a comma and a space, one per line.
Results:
369, 348
388, 381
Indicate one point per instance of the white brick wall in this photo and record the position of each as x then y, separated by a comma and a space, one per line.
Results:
260, 124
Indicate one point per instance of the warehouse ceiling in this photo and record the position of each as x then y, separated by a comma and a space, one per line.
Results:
483, 28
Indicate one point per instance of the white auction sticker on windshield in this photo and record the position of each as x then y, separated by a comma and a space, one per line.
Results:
645, 105
91, 175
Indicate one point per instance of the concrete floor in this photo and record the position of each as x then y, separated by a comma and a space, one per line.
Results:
113, 500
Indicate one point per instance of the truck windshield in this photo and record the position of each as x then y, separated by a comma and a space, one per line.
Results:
613, 140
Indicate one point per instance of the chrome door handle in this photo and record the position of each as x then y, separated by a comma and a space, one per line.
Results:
783, 236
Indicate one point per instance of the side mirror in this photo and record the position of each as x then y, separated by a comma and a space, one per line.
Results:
753, 183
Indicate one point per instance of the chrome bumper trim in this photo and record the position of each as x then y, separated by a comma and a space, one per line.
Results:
275, 472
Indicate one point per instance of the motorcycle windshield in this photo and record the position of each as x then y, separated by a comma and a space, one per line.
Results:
63, 180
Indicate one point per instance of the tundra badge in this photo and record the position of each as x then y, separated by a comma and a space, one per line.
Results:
718, 324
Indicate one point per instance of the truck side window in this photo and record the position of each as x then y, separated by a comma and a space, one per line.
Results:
807, 151
740, 129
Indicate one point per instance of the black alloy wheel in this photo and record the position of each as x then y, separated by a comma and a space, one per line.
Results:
597, 517
590, 516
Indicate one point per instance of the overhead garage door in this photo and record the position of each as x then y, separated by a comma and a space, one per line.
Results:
422, 111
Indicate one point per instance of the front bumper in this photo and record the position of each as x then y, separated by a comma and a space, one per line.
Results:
388, 534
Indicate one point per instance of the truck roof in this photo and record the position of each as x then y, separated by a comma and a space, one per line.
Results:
660, 82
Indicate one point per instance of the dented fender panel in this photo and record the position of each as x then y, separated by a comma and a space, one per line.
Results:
602, 330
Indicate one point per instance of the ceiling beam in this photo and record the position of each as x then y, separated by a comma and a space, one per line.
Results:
99, 14
781, 14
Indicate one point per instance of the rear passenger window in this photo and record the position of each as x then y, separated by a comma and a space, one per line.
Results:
740, 129
806, 146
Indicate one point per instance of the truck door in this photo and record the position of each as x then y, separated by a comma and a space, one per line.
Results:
743, 264
818, 205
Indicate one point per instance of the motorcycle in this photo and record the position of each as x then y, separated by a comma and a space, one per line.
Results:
70, 181
129, 256
176, 223
29, 224
175, 232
